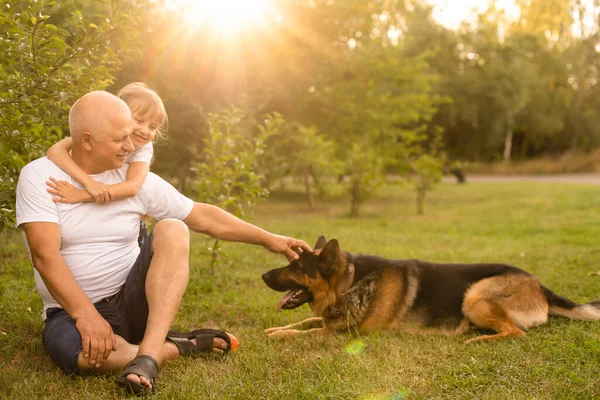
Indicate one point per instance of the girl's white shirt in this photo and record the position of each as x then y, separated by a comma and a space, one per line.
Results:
143, 154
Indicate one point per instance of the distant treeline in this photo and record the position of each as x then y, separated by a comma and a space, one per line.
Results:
497, 89
358, 88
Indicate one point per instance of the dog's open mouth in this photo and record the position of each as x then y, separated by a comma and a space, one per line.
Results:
294, 298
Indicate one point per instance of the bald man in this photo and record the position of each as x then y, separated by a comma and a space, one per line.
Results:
102, 293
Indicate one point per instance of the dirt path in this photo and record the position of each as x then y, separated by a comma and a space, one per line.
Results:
586, 179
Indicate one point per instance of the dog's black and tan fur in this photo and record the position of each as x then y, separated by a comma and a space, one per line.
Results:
368, 293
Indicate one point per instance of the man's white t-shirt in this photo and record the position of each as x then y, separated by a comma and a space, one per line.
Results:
98, 241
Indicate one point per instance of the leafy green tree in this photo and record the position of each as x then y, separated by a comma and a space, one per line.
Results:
427, 166
550, 18
364, 168
367, 95
503, 87
304, 153
582, 121
51, 53
315, 161
226, 176
582, 64
428, 171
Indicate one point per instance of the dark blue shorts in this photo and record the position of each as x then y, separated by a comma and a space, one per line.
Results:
126, 312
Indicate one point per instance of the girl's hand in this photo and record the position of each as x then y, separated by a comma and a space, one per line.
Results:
102, 193
66, 192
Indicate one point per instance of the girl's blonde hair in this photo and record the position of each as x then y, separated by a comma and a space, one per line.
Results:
145, 101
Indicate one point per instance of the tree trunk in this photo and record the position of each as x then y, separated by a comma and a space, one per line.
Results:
510, 128
183, 179
307, 185
525, 146
508, 146
420, 202
355, 202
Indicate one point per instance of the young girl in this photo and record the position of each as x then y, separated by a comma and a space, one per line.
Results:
149, 118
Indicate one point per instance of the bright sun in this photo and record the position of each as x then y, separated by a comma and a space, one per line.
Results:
227, 17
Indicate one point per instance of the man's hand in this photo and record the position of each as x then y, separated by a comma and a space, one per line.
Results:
288, 246
97, 337
101, 192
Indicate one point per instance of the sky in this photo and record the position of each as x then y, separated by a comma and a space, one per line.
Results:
451, 13
225, 15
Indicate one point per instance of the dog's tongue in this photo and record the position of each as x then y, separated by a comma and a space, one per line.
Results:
286, 298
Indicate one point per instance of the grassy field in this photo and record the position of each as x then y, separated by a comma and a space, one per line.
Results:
548, 229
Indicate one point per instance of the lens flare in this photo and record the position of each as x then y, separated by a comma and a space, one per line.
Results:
227, 17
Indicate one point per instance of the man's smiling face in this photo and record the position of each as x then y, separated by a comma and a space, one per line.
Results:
111, 147
101, 125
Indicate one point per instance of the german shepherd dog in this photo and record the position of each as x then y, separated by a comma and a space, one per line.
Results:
368, 293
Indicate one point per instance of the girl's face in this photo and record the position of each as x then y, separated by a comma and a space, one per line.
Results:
144, 129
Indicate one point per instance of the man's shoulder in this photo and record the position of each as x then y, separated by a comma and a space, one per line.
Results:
152, 182
40, 164
33, 202
42, 167
157, 187
162, 200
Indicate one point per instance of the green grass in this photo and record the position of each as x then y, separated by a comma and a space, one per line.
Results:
549, 229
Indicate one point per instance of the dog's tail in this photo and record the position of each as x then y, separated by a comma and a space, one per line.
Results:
567, 308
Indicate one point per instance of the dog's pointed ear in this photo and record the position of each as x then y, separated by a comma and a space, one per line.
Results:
328, 259
321, 242
330, 253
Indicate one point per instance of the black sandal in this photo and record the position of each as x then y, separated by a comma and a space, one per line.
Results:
204, 341
143, 365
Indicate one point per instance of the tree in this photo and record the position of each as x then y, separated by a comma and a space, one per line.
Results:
427, 167
302, 152
367, 94
504, 86
582, 64
549, 18
51, 54
226, 176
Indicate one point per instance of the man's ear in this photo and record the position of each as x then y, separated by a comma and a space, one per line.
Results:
321, 242
86, 140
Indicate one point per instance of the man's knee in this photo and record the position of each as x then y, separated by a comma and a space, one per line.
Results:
172, 233
62, 341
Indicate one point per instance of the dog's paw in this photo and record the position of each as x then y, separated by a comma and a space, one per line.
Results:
271, 330
282, 334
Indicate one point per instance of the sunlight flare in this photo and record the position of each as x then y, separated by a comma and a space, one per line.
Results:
227, 17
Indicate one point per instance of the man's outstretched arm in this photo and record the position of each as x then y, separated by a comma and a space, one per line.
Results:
97, 337
220, 224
